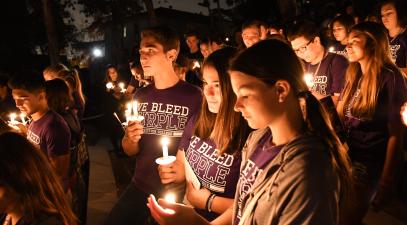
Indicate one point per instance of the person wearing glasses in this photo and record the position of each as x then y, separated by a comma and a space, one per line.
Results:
326, 69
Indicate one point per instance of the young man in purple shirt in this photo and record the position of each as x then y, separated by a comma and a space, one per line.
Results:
48, 130
167, 106
327, 69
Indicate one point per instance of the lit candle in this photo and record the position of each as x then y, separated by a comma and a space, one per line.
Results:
164, 142
404, 114
227, 39
331, 49
196, 65
22, 116
135, 109
109, 85
170, 197
309, 80
121, 85
13, 117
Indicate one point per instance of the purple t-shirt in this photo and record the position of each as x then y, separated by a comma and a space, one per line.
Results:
134, 82
51, 134
262, 155
329, 74
367, 138
166, 113
219, 174
340, 49
398, 49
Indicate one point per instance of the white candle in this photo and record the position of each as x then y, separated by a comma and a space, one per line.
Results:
309, 80
13, 117
22, 116
164, 143
121, 85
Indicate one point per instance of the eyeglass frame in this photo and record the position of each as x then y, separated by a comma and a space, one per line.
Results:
304, 48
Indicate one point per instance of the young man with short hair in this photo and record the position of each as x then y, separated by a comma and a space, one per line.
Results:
327, 70
253, 31
167, 106
48, 130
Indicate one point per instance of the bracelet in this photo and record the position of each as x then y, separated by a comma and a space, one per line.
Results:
209, 202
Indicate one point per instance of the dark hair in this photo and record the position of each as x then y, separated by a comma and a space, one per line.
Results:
346, 20
304, 28
58, 95
31, 81
164, 36
401, 10
205, 40
227, 128
26, 170
253, 23
272, 60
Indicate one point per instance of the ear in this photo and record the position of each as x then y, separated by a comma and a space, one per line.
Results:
172, 55
42, 95
283, 89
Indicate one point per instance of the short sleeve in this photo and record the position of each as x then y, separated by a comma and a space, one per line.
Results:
187, 134
57, 139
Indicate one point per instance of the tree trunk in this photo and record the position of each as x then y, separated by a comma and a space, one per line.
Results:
53, 50
151, 13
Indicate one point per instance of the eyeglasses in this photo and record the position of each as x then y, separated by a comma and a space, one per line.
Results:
303, 48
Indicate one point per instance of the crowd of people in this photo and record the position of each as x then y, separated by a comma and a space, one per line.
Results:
295, 126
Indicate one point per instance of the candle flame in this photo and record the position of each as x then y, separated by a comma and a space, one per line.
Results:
109, 85
309, 79
170, 197
404, 114
196, 65
331, 49
165, 141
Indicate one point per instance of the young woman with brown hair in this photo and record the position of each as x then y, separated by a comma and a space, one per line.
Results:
369, 107
30, 191
215, 144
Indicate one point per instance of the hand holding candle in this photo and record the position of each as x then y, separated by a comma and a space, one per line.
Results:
122, 89
109, 85
131, 113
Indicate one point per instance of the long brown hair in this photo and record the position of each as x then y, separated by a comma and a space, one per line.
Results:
377, 51
226, 128
26, 170
272, 60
